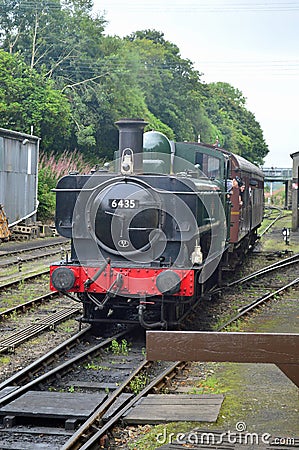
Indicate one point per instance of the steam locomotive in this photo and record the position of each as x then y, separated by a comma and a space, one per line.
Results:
152, 233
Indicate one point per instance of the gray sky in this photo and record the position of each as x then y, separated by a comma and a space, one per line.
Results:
253, 45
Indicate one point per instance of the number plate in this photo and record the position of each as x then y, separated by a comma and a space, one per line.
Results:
123, 203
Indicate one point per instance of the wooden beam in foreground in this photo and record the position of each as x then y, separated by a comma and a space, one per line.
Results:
281, 349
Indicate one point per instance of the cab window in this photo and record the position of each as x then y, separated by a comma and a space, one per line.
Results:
209, 165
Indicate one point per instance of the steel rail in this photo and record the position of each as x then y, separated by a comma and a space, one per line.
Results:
64, 367
278, 265
29, 258
24, 278
29, 372
281, 216
246, 309
24, 306
28, 249
88, 434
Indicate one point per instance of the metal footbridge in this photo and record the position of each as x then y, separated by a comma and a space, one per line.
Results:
274, 174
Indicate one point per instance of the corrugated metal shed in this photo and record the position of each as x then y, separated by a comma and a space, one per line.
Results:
18, 174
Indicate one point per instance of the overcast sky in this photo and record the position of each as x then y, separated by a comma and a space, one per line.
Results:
253, 45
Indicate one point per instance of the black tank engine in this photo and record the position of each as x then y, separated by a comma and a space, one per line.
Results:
147, 235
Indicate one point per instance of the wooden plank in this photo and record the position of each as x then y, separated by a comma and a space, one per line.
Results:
178, 399
54, 405
277, 348
93, 386
158, 409
148, 415
291, 371
281, 349
6, 445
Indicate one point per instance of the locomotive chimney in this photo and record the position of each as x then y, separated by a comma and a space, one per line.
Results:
130, 145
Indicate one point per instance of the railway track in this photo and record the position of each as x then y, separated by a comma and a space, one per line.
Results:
42, 374
281, 264
32, 320
24, 257
26, 263
8, 251
24, 285
55, 364
278, 214
30, 326
93, 432
48, 323
97, 426
20, 279
108, 413
37, 368
24, 307
260, 286
246, 309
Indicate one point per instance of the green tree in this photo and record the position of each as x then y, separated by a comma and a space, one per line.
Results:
171, 86
31, 27
28, 100
48, 33
239, 132
112, 91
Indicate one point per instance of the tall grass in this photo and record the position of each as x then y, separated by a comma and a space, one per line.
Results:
60, 165
51, 168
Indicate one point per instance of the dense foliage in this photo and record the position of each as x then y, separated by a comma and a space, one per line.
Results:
62, 75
